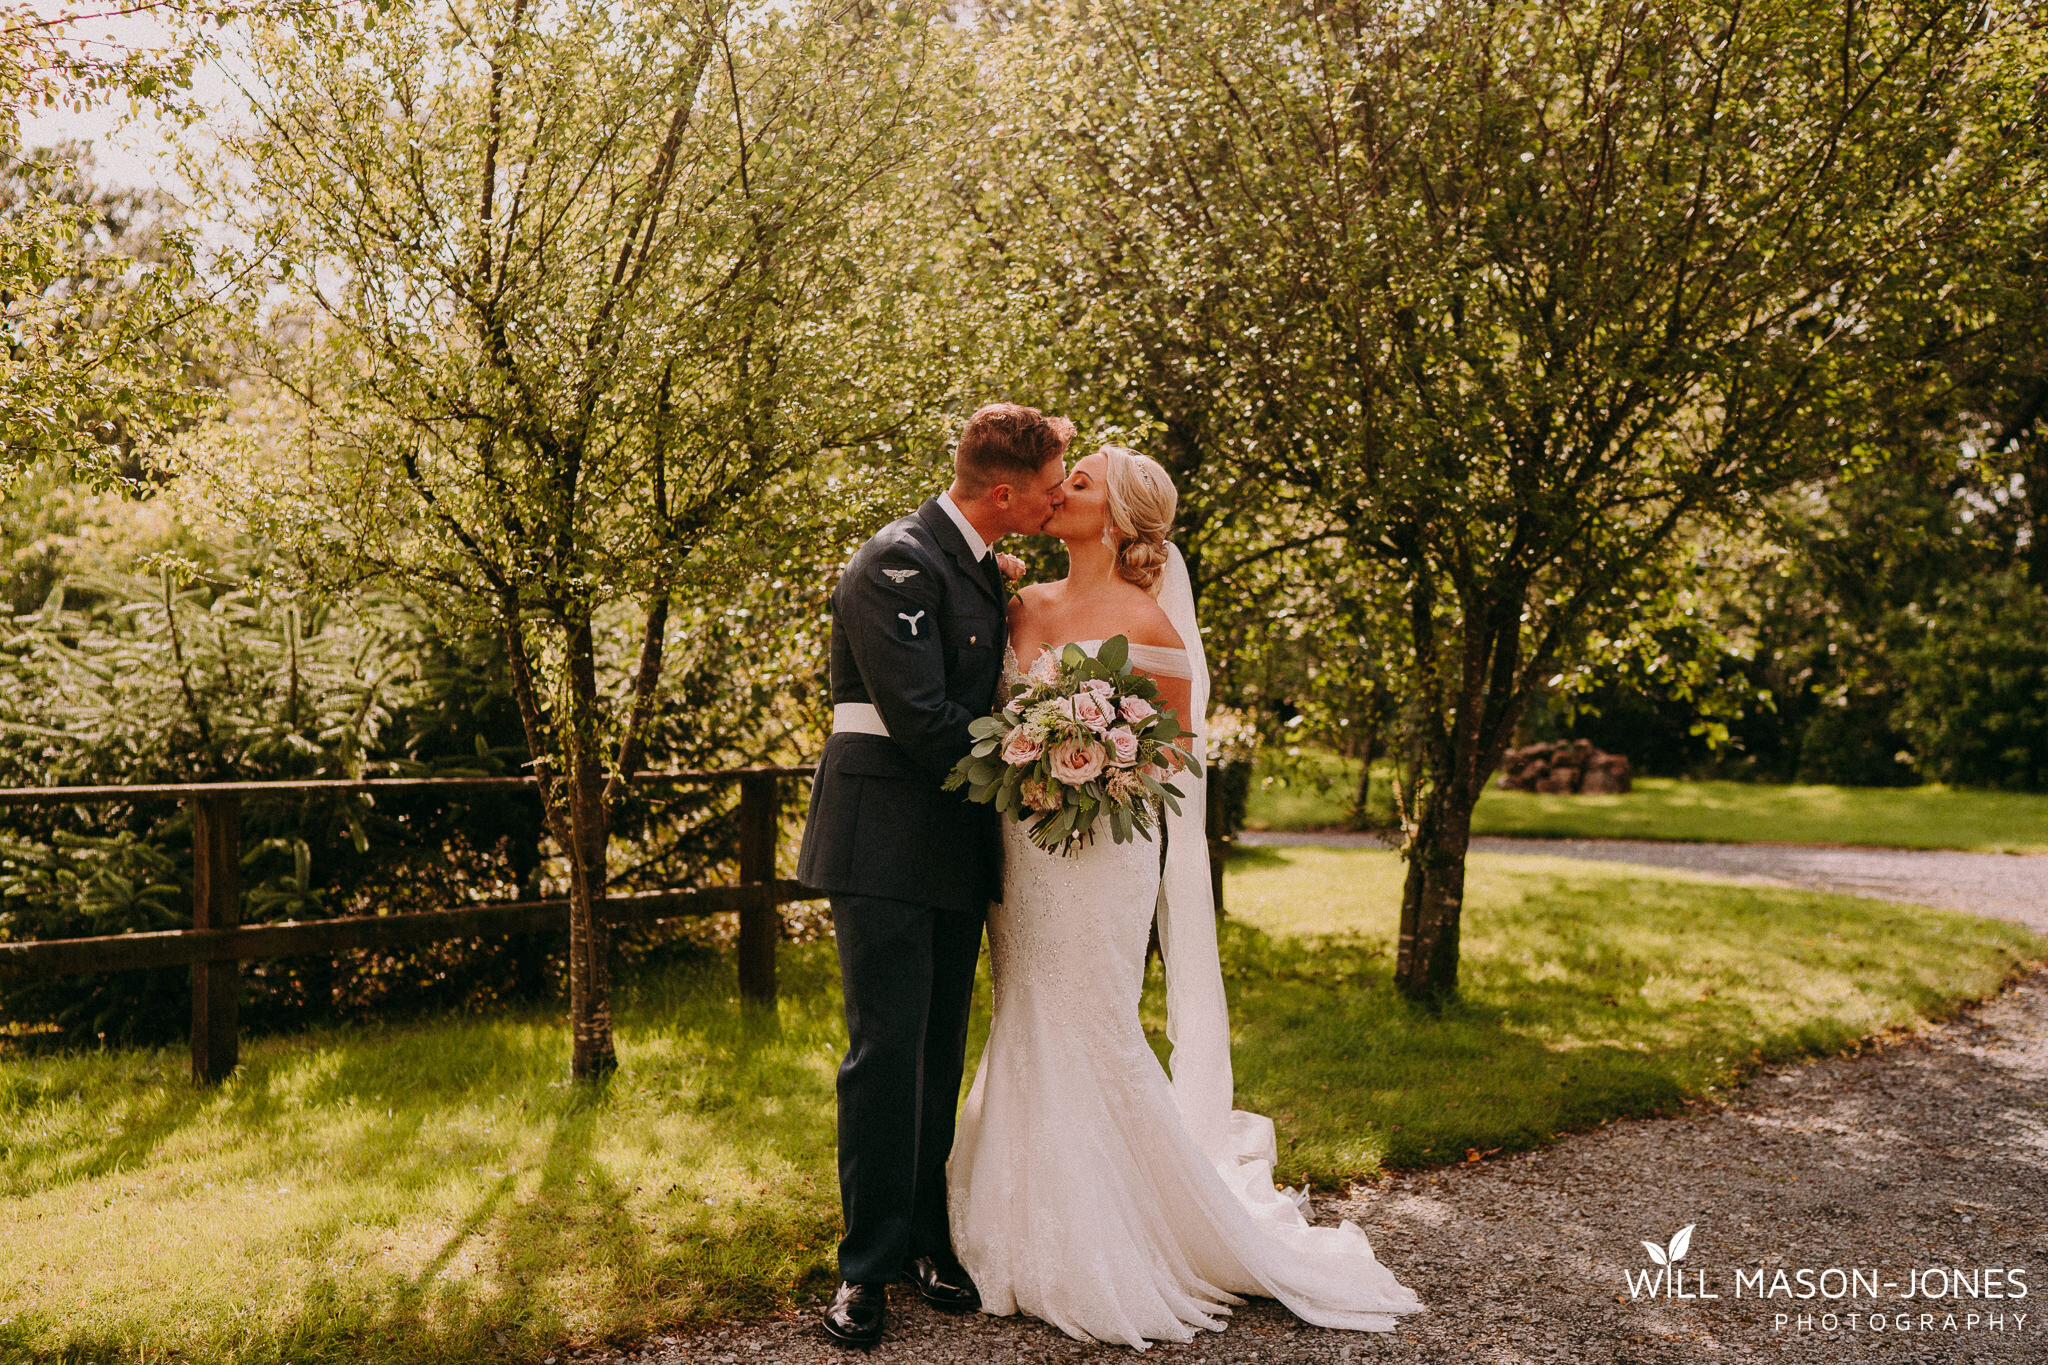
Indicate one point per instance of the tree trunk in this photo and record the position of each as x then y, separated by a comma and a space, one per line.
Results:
1433, 898
1368, 746
590, 996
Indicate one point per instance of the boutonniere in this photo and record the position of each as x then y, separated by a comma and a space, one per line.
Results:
1012, 570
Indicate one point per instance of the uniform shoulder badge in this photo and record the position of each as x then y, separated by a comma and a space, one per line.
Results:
899, 575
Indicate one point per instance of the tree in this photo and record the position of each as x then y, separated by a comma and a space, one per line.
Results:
97, 331
1511, 294
583, 287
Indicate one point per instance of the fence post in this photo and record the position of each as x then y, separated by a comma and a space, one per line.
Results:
216, 904
761, 923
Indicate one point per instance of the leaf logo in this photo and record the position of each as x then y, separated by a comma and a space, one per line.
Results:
1680, 1240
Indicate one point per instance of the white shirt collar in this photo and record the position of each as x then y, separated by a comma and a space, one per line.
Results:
974, 540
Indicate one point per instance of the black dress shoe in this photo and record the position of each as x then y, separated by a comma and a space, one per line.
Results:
857, 1314
944, 1284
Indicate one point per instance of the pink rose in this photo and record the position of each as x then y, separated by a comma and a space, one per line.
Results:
1123, 745
1022, 747
1136, 709
1101, 687
1045, 668
1092, 711
1076, 762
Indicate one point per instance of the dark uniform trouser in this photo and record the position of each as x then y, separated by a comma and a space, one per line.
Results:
908, 975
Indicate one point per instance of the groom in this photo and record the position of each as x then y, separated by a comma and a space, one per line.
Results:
917, 653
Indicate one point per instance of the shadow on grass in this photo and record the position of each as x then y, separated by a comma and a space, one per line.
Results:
451, 1197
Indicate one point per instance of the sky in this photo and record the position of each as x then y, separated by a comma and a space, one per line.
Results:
131, 151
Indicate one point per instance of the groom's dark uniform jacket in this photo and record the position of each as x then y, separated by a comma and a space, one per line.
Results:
917, 642
917, 631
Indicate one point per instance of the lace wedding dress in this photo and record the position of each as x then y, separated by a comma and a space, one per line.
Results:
1086, 1188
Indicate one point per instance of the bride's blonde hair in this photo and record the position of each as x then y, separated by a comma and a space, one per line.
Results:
1140, 499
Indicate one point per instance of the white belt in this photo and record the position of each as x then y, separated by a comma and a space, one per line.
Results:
857, 718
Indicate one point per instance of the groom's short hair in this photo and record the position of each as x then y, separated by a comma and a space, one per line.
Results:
1007, 443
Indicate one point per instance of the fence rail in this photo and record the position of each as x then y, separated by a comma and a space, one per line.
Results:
218, 940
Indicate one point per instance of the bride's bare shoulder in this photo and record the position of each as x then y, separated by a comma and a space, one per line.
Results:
1149, 624
1031, 600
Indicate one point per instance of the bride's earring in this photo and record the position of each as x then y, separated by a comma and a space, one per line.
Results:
1108, 534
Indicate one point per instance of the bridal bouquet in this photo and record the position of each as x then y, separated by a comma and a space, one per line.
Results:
1080, 739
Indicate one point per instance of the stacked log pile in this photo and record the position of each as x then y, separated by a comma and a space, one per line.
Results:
1563, 767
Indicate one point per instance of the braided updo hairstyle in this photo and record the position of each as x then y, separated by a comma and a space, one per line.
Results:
1141, 501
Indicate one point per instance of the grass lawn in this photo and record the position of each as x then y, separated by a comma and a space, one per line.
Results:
1314, 790
435, 1191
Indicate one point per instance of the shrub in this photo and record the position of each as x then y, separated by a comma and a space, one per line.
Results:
220, 665
1975, 698
125, 679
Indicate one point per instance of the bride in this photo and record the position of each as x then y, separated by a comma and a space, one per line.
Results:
1086, 1188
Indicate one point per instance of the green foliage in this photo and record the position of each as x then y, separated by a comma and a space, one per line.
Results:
1975, 694
1940, 483
102, 319
263, 679
668, 310
1503, 329
578, 291
228, 674
105, 322
45, 61
1515, 303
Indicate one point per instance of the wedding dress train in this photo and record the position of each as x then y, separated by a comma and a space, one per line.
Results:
1079, 1191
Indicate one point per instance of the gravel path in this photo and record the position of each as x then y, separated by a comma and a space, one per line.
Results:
2001, 885
1928, 1151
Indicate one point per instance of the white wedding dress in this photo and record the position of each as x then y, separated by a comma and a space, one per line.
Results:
1085, 1187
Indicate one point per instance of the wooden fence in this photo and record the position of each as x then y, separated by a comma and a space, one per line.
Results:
218, 940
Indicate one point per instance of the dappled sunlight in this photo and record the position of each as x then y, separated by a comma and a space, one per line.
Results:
437, 1183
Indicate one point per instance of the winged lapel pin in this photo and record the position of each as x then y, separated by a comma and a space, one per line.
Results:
899, 575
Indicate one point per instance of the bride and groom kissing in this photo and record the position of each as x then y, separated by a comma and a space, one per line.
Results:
1082, 1184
